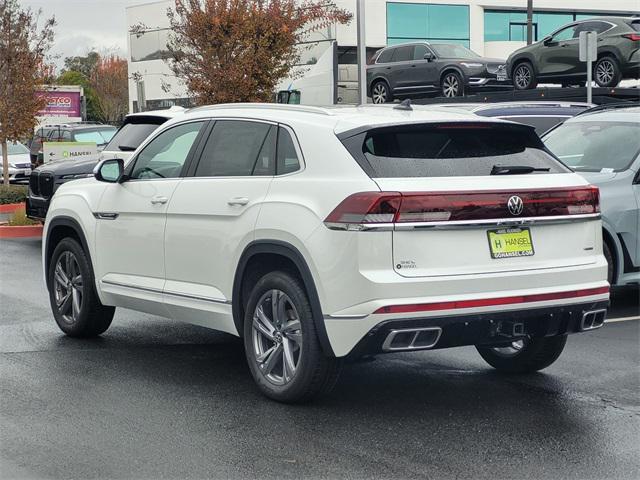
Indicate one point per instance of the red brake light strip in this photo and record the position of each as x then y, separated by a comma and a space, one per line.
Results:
489, 302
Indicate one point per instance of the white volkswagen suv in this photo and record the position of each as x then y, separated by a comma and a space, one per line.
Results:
316, 233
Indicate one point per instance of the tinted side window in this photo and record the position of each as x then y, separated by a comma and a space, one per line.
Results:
420, 51
565, 34
403, 54
238, 148
166, 154
287, 156
385, 56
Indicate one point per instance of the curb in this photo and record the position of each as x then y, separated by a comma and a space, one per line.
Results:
11, 207
21, 231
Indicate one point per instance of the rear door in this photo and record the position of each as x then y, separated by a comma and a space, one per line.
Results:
212, 213
453, 217
401, 75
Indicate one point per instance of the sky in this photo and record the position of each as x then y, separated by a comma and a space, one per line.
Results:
83, 25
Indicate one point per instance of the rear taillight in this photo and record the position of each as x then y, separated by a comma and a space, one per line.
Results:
634, 37
365, 210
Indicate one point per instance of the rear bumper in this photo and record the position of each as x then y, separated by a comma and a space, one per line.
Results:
492, 328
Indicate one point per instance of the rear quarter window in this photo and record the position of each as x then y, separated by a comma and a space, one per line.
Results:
448, 150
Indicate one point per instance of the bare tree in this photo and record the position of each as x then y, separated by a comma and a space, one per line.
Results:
23, 48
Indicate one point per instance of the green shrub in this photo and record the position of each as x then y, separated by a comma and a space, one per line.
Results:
19, 218
12, 194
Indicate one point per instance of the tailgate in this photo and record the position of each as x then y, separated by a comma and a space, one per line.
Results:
477, 231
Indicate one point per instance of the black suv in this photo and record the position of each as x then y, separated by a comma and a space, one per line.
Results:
416, 69
45, 180
69, 132
555, 59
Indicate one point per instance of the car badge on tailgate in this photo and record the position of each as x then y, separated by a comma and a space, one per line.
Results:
515, 205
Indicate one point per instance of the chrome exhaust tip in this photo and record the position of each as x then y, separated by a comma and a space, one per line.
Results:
412, 339
592, 320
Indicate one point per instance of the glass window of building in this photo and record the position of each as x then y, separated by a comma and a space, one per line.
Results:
149, 45
511, 25
410, 22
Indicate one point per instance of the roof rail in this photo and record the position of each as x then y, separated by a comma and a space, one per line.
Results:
610, 106
270, 106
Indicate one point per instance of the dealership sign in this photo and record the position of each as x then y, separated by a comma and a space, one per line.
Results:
60, 104
52, 151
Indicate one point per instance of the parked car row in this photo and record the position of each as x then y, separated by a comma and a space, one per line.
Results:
421, 68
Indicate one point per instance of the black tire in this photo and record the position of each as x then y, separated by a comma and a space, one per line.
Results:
381, 93
314, 373
535, 354
611, 264
607, 73
91, 318
451, 85
524, 76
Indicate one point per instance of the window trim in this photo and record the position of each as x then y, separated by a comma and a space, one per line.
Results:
187, 162
190, 174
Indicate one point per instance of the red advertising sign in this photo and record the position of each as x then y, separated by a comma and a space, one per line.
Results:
61, 104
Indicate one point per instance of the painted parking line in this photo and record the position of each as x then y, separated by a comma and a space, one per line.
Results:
622, 319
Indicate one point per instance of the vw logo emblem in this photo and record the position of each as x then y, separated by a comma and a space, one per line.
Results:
515, 205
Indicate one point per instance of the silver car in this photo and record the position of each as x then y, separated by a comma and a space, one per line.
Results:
603, 145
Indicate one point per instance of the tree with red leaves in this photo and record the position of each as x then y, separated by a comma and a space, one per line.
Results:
238, 50
109, 82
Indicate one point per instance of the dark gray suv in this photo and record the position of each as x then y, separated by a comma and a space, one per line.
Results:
416, 69
555, 59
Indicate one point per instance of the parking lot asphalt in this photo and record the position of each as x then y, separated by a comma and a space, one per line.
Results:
154, 398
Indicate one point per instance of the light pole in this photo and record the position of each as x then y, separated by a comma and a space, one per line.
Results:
362, 52
529, 22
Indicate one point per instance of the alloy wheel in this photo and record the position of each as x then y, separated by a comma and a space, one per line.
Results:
522, 77
511, 350
276, 337
605, 71
379, 93
68, 287
450, 86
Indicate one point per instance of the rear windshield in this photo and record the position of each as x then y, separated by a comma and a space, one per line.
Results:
636, 25
449, 150
132, 134
99, 136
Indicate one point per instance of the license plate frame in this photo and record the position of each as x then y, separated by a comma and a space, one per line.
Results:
501, 76
514, 246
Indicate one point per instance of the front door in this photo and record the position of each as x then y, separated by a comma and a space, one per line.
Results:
132, 217
212, 217
559, 54
424, 74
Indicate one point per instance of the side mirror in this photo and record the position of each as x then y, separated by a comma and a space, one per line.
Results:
547, 40
110, 170
428, 56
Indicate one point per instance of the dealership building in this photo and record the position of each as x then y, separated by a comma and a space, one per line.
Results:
492, 28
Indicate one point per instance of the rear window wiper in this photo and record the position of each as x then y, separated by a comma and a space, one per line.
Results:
515, 169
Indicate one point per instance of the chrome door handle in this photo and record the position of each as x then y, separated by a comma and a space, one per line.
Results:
239, 201
159, 200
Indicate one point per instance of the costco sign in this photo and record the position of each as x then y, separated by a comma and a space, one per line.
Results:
61, 104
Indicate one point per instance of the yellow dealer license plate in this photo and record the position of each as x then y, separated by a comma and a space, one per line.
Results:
510, 242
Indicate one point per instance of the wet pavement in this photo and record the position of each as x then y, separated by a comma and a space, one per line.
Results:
154, 398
